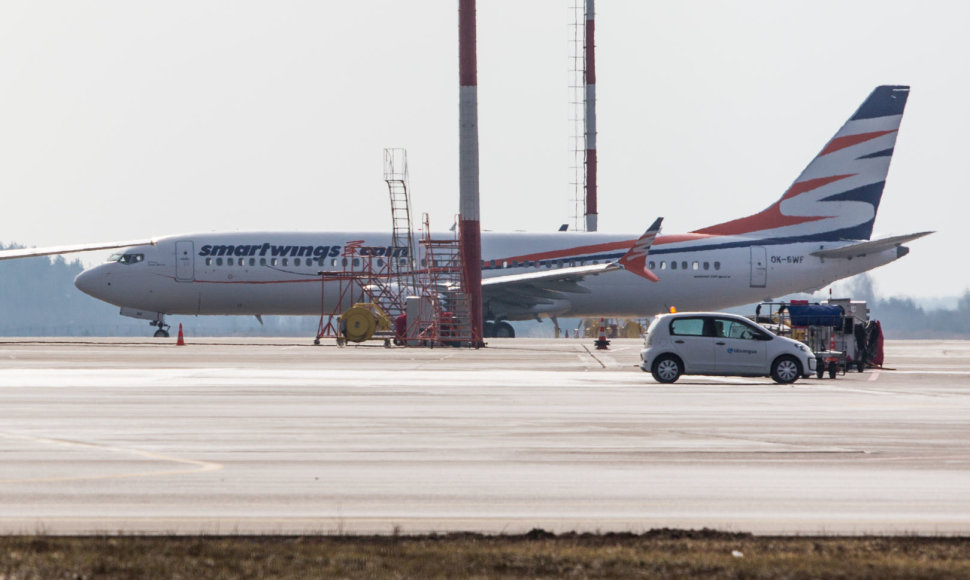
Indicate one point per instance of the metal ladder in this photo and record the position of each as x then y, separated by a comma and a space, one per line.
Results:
402, 233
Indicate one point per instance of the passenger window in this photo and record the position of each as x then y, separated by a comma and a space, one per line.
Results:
229, 262
707, 265
218, 261
651, 265
208, 261
274, 261
673, 265
296, 261
696, 266
717, 265
262, 261
683, 265
252, 261
286, 261
380, 262
687, 327
663, 265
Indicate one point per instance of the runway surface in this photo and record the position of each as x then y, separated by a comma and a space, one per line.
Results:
278, 436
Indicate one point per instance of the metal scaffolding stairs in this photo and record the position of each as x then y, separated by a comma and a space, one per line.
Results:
441, 279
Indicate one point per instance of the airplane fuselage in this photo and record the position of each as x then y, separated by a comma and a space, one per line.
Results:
279, 273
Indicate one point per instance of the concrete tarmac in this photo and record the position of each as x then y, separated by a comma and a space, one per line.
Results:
278, 436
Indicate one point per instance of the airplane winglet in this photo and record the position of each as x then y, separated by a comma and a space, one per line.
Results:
635, 260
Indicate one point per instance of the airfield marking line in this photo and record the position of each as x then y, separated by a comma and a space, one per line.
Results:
874, 376
198, 465
590, 353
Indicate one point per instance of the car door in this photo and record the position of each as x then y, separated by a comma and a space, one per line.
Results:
740, 348
693, 343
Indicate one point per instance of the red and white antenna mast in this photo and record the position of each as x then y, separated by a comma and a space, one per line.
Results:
468, 204
589, 80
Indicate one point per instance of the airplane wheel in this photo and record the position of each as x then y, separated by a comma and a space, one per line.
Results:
161, 333
504, 330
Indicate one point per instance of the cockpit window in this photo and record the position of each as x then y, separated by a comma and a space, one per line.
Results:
126, 258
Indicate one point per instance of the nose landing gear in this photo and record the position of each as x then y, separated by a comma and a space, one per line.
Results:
162, 331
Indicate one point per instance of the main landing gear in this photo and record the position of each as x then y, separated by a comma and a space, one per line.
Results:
499, 329
162, 331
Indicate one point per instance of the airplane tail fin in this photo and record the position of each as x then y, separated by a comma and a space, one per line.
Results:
836, 197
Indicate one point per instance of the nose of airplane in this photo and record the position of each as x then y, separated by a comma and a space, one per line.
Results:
89, 282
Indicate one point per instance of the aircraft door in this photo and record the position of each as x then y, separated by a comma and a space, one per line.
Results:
759, 266
184, 261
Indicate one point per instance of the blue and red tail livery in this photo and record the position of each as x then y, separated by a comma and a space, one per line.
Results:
836, 197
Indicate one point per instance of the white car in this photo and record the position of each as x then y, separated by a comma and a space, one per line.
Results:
715, 343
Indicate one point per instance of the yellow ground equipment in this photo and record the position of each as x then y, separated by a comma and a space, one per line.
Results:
360, 322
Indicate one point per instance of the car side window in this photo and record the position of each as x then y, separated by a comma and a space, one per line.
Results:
687, 327
725, 328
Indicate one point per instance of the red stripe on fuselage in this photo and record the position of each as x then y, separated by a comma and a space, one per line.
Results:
597, 248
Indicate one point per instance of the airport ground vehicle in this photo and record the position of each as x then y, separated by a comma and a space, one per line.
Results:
715, 343
838, 331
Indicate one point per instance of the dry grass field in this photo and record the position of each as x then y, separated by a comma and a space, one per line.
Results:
655, 554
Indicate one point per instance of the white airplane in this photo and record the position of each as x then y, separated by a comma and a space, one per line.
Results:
818, 232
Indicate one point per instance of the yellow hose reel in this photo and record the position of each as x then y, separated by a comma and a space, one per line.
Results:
360, 322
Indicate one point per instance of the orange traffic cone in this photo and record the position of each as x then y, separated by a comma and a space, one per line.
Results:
181, 340
601, 343
832, 341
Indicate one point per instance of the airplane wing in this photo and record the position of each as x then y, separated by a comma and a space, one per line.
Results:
526, 291
531, 289
863, 248
54, 250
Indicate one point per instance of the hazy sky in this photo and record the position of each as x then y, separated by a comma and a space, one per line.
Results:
123, 120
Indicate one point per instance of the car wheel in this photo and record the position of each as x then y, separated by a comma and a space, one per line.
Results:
785, 370
666, 369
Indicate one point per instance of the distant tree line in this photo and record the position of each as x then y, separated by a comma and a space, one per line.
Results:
38, 298
905, 318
